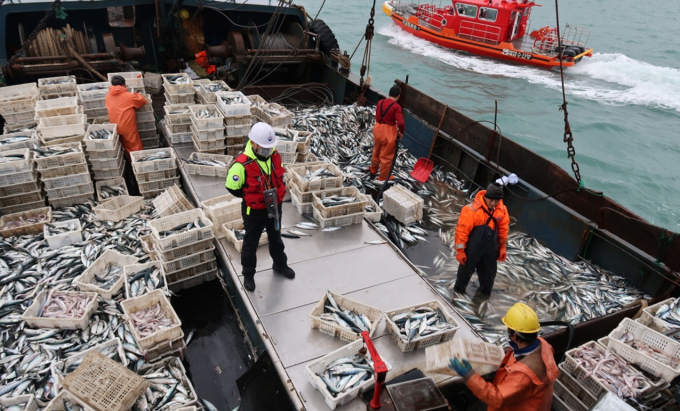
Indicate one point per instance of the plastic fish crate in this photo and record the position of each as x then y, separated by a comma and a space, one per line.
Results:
239, 141
237, 131
284, 119
19, 105
176, 363
241, 109
648, 319
208, 145
101, 144
156, 175
24, 215
189, 261
179, 128
118, 208
67, 159
177, 88
69, 201
234, 150
62, 120
145, 116
172, 201
238, 225
592, 384
180, 137
373, 216
484, 357
296, 174
175, 347
288, 158
244, 120
317, 366
107, 173
28, 400
302, 208
19, 92
147, 246
209, 171
184, 98
255, 102
19, 165
340, 221
145, 187
44, 96
68, 83
107, 163
10, 179
70, 191
19, 208
22, 199
61, 140
133, 79
175, 253
57, 403
108, 153
402, 204
149, 143
651, 337
576, 388
104, 383
97, 112
194, 281
66, 181
62, 131
132, 305
64, 239
57, 367
209, 96
96, 94
112, 182
177, 118
225, 206
63, 171
339, 210
19, 118
191, 271
335, 330
130, 269
421, 342
94, 104
41, 105
154, 165
184, 238
33, 321
207, 134
32, 138
211, 123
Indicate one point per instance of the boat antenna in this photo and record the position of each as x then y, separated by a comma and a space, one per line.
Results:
568, 136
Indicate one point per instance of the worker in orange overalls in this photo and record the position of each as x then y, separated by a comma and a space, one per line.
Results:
389, 127
121, 105
524, 381
481, 237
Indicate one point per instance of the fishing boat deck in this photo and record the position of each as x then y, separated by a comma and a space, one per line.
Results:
340, 261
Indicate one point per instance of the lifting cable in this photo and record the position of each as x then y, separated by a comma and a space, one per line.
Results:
366, 62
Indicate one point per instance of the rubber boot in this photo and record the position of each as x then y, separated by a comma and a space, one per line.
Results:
249, 282
284, 271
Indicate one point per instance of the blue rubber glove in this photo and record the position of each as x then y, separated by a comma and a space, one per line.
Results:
461, 367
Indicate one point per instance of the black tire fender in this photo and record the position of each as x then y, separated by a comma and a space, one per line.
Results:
327, 40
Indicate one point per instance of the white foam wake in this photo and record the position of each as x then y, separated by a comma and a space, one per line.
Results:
608, 78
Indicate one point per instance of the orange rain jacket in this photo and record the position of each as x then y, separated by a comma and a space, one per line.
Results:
516, 387
474, 215
121, 105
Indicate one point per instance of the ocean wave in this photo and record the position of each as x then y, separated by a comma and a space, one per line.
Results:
609, 78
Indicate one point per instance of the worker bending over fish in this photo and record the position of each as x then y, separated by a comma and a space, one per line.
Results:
121, 105
524, 381
481, 238
389, 128
257, 177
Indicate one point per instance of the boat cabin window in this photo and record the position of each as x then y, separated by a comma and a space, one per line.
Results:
466, 10
488, 14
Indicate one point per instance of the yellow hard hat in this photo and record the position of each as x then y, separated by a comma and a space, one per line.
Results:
184, 14
522, 318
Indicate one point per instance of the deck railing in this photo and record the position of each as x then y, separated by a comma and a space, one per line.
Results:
486, 33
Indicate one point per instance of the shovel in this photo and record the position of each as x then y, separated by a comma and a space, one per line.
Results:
423, 167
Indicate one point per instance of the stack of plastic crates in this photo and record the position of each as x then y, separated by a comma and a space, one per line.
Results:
403, 204
66, 175
207, 127
106, 156
93, 99
20, 188
302, 188
179, 88
292, 145
177, 123
60, 120
155, 170
57, 87
146, 125
17, 106
237, 119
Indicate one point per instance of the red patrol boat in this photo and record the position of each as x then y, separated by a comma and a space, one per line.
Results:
491, 28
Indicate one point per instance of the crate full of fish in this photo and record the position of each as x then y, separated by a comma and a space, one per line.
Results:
141, 279
172, 201
157, 159
316, 177
112, 348
662, 316
594, 367
15, 141
14, 161
111, 188
93, 91
208, 89
403, 204
336, 377
181, 98
177, 114
339, 202
181, 229
56, 132
233, 103
652, 351
176, 83
484, 357
575, 387
344, 318
21, 188
25, 223
275, 115
565, 400
58, 155
206, 117
105, 275
234, 233
209, 165
373, 210
62, 233
118, 208
421, 325
101, 137
67, 310
340, 221
170, 368
151, 319
67, 401
105, 384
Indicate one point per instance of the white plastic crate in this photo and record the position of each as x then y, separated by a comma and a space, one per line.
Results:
24, 402
485, 358
182, 114
188, 261
65, 84
208, 171
154, 165
266, 114
62, 120
178, 137
41, 105
96, 113
207, 134
69, 201
339, 210
317, 366
225, 206
302, 208
133, 79
70, 191
341, 221
179, 128
193, 281
175, 362
175, 253
20, 188
118, 208
648, 319
255, 103
239, 141
22, 105
184, 98
101, 144
421, 342
120, 181
25, 164
209, 96
245, 120
18, 118
107, 173
94, 105
145, 187
297, 173
238, 225
576, 388
62, 240
58, 95
106, 163
44, 213
106, 153
66, 181
145, 116
335, 330
655, 339
172, 201
62, 131
210, 123
156, 175
58, 368
240, 109
84, 281
373, 216
177, 88
237, 131
15, 141
146, 126
93, 91
22, 207
209, 145
23, 199
22, 177
131, 269
18, 98
34, 321
184, 238
133, 305
57, 403
402, 204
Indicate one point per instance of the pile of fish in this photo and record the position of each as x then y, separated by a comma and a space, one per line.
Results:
273, 112
15, 139
111, 351
167, 390
209, 162
51, 151
611, 370
112, 191
178, 79
145, 281
669, 314
102, 134
180, 111
337, 200
60, 229
22, 222
182, 228
346, 373
420, 322
214, 88
232, 100
318, 174
651, 351
21, 406
203, 114
108, 277
158, 155
64, 305
307, 226
151, 320
345, 318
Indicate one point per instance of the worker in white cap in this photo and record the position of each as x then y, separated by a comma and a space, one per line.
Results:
257, 178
